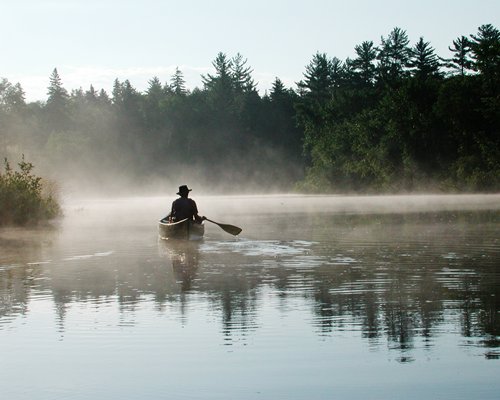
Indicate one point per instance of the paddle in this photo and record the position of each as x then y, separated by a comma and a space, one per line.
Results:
233, 230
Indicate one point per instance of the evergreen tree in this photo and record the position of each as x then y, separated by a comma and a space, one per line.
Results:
316, 93
58, 95
339, 72
91, 95
131, 99
485, 48
153, 105
220, 87
127, 103
242, 75
117, 92
363, 65
424, 62
177, 83
13, 116
155, 90
284, 130
318, 82
393, 57
278, 90
461, 60
12, 97
77, 95
57, 104
385, 119
222, 80
103, 97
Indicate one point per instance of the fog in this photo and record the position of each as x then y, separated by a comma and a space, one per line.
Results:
318, 280
226, 138
98, 163
235, 209
348, 204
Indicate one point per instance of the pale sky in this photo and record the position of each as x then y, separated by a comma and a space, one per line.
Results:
96, 41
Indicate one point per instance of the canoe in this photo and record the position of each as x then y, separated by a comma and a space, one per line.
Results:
184, 230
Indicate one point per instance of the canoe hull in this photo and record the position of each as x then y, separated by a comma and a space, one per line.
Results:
182, 230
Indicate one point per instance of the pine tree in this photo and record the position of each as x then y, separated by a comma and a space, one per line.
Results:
177, 82
154, 89
91, 95
104, 97
57, 104
58, 95
242, 75
485, 48
12, 97
278, 90
222, 78
117, 92
152, 105
339, 72
220, 86
461, 60
364, 67
393, 57
318, 81
424, 62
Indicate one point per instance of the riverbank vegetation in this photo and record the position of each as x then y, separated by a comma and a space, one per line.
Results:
24, 198
395, 117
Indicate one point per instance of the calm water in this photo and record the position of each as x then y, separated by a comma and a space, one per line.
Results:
319, 298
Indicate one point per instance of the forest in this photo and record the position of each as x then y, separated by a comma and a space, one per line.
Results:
396, 117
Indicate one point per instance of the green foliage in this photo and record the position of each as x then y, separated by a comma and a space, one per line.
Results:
364, 64
414, 128
178, 84
461, 53
394, 56
22, 199
394, 117
423, 60
11, 96
486, 51
57, 113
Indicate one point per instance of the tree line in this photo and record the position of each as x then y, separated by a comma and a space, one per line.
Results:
395, 117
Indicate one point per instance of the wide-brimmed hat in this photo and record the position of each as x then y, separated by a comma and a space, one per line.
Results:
183, 189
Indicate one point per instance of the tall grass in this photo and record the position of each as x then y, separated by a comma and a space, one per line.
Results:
23, 199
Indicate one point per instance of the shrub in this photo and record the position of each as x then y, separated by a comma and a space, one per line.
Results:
22, 199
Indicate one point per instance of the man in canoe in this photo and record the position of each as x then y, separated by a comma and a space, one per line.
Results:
184, 207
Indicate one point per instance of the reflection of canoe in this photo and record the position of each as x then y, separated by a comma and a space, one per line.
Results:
183, 256
185, 229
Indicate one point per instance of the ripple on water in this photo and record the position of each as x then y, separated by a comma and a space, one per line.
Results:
258, 247
87, 256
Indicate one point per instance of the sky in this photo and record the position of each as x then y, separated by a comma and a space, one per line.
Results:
96, 41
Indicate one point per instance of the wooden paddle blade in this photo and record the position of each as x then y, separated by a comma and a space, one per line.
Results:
233, 230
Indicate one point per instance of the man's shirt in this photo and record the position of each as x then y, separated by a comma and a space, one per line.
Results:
183, 208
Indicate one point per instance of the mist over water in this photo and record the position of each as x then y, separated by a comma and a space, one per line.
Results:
319, 296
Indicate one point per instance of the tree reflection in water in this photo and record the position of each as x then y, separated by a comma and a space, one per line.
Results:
413, 281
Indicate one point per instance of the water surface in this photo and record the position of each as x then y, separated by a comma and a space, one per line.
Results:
320, 297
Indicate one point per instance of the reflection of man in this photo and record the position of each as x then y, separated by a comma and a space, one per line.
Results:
183, 207
185, 266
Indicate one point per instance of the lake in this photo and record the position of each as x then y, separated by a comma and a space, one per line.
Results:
319, 297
